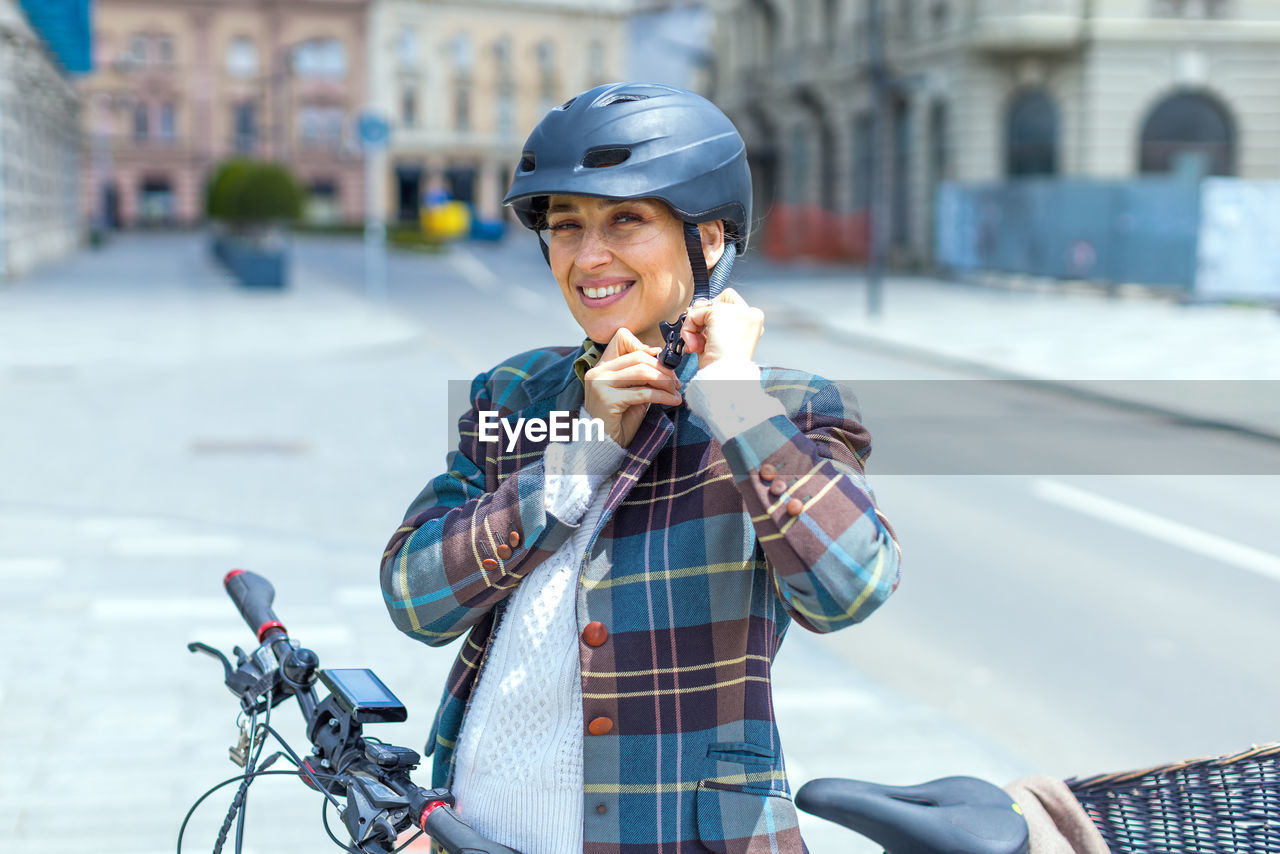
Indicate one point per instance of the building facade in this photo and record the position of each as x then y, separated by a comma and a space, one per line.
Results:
40, 145
180, 87
987, 90
463, 82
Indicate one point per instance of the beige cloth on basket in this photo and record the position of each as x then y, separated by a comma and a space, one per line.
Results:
1058, 824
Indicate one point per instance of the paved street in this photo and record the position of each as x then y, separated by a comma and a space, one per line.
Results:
161, 426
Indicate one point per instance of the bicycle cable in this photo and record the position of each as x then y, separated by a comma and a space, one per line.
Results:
251, 760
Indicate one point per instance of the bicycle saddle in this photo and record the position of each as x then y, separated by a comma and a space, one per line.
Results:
954, 815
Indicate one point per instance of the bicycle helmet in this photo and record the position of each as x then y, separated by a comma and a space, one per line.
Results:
642, 140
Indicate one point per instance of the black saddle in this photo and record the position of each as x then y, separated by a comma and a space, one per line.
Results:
954, 815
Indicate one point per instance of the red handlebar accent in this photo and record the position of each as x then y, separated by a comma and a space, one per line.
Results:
428, 810
266, 627
230, 575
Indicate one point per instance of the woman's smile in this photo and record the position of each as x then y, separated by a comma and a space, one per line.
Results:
602, 293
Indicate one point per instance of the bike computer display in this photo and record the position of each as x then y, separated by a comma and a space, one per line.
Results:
361, 692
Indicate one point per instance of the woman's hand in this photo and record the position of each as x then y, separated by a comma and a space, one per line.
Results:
726, 328
624, 382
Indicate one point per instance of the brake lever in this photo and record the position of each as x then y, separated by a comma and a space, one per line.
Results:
227, 670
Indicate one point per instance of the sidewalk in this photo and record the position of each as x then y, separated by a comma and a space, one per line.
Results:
1211, 363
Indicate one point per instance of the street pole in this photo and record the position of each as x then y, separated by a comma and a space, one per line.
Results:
373, 131
877, 226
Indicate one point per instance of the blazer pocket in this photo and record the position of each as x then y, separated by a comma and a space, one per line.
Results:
734, 820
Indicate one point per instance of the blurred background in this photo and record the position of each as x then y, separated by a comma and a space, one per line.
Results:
246, 246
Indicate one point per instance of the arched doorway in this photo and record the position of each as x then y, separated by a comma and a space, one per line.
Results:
1031, 135
1188, 132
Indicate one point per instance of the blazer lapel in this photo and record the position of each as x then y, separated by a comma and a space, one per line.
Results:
652, 434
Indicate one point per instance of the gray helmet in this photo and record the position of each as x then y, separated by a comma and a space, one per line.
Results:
633, 141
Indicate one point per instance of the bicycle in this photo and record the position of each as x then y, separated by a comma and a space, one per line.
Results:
1228, 804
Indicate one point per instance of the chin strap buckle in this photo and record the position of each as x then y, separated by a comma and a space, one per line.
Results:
674, 351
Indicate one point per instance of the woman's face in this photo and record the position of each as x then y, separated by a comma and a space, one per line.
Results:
623, 263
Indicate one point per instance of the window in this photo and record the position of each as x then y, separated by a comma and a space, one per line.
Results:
166, 129
163, 50
245, 121
156, 201
506, 112
320, 124
460, 49
407, 47
546, 57
502, 57
320, 58
462, 110
409, 107
1031, 135
141, 122
242, 57
323, 202
138, 50
1188, 133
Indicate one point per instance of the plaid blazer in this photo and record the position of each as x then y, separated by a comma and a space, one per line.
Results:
694, 573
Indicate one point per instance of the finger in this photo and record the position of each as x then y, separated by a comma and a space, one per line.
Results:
642, 374
700, 302
628, 343
646, 394
603, 369
694, 342
729, 295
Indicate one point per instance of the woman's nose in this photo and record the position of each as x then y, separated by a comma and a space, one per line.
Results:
593, 251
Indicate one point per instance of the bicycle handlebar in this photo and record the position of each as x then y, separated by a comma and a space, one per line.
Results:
444, 827
374, 814
253, 595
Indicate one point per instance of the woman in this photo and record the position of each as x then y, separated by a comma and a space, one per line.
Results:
625, 594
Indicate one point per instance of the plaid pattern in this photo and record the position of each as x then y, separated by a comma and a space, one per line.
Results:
695, 569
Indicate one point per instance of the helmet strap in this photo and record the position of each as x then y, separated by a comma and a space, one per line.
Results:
546, 250
707, 286
697, 261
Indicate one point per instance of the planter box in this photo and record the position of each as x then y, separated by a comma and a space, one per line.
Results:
254, 265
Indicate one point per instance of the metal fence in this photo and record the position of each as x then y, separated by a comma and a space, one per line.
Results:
1143, 230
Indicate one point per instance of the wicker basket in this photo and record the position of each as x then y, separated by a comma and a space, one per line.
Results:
1223, 804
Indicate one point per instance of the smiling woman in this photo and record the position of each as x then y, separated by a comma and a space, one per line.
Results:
624, 594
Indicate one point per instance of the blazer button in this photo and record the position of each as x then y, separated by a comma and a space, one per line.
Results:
595, 634
777, 487
489, 564
504, 551
795, 506
513, 539
601, 809
768, 472
600, 726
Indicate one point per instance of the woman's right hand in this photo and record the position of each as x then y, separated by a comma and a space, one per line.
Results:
624, 382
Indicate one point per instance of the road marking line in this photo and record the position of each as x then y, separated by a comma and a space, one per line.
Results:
175, 546
131, 610
486, 281
480, 276
1175, 533
30, 567
365, 594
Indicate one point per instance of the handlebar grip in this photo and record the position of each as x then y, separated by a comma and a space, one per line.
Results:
253, 595
458, 837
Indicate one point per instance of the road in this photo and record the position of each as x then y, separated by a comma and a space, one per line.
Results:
160, 427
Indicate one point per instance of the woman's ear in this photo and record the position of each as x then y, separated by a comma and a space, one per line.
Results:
712, 241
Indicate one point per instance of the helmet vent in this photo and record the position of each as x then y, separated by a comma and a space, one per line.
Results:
567, 104
598, 158
621, 98
528, 162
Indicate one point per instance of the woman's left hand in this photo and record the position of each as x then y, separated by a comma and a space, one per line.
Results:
724, 328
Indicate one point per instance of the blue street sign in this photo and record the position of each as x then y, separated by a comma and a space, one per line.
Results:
373, 130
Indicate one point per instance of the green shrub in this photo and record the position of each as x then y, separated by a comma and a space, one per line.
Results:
251, 191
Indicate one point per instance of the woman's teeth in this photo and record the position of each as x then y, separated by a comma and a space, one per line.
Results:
601, 293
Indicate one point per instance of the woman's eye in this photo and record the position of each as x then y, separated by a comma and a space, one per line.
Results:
562, 226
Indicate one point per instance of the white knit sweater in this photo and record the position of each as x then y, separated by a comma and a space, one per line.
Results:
518, 764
